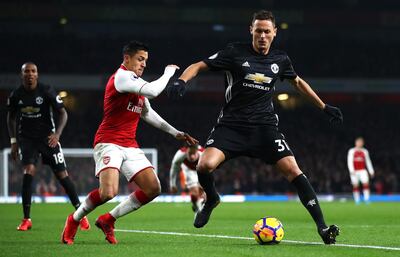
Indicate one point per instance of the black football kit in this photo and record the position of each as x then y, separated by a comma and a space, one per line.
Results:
248, 124
35, 123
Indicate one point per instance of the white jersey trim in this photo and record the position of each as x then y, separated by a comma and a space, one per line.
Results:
228, 92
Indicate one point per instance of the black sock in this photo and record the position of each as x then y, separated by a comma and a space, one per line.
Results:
70, 190
27, 195
206, 180
309, 199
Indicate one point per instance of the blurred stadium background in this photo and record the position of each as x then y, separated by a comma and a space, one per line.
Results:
347, 49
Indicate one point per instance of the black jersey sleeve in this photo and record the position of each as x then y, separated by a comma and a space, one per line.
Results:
12, 101
288, 71
222, 60
54, 98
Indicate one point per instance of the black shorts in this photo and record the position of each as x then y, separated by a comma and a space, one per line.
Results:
32, 148
262, 142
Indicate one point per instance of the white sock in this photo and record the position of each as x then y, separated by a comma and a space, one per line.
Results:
199, 203
128, 205
356, 195
84, 209
366, 195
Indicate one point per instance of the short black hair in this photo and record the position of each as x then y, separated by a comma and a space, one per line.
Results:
134, 46
263, 15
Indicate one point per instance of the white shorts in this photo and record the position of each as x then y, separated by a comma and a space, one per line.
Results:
191, 179
128, 160
359, 176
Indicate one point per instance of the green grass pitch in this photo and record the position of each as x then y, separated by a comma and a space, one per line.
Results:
377, 224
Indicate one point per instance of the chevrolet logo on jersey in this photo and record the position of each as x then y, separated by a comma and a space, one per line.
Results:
30, 110
258, 78
258, 81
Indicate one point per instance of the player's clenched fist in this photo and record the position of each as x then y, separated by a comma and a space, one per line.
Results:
176, 89
334, 113
170, 69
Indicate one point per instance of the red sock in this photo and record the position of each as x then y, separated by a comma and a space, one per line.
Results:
95, 198
141, 197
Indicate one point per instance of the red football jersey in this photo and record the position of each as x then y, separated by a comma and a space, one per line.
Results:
359, 160
121, 115
189, 164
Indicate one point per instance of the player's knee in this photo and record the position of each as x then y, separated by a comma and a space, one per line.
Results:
61, 175
205, 167
30, 169
153, 190
292, 173
108, 193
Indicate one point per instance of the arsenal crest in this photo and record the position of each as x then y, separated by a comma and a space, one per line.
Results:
106, 159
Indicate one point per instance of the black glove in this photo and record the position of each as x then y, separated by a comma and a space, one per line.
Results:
176, 89
334, 113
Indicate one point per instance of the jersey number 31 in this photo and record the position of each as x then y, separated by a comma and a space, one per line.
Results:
282, 145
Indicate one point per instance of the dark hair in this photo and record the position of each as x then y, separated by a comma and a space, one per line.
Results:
133, 46
263, 15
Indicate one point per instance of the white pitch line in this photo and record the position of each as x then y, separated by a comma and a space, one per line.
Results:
249, 238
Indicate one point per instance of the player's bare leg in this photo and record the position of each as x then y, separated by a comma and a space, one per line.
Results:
208, 162
109, 180
289, 168
109, 185
150, 188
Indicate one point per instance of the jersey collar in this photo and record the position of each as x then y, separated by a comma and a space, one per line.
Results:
124, 68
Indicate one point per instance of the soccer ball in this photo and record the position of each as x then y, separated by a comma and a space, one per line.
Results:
268, 230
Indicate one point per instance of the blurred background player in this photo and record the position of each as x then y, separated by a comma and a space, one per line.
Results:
31, 107
185, 160
115, 147
359, 164
248, 124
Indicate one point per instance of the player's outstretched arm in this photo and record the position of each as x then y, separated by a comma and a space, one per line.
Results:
177, 88
334, 113
305, 89
151, 117
185, 137
126, 82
